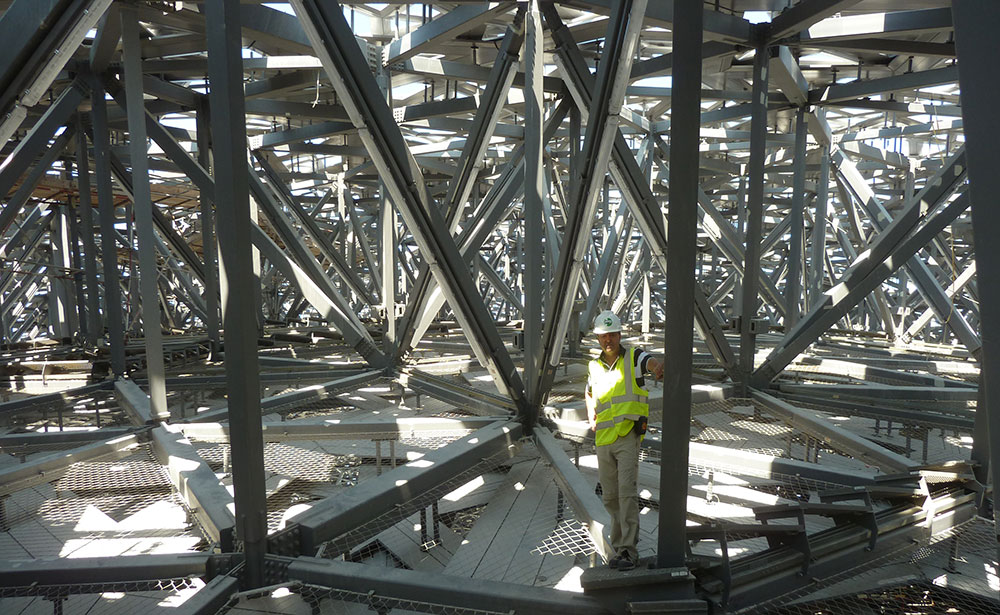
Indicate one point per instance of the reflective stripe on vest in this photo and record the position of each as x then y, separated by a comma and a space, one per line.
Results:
620, 400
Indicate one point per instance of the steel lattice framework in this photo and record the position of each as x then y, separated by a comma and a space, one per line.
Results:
224, 221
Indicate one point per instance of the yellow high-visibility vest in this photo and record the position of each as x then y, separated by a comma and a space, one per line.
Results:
620, 400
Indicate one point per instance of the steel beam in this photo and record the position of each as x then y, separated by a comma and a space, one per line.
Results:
799, 17
889, 251
398, 492
942, 185
426, 587
602, 128
976, 24
755, 212
143, 212
334, 44
239, 304
346, 429
446, 26
109, 249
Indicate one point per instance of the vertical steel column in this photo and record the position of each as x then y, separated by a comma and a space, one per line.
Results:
76, 260
109, 245
818, 247
143, 208
534, 196
793, 283
87, 234
60, 314
755, 211
208, 241
682, 246
976, 24
225, 69
387, 225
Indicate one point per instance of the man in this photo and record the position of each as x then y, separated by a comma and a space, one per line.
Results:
618, 412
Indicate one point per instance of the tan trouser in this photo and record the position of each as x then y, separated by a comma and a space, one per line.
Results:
618, 471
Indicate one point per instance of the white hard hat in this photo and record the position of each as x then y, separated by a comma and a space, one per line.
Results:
607, 322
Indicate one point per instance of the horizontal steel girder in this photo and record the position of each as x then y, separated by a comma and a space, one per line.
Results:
396, 491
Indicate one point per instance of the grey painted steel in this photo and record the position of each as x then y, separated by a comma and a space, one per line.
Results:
232, 200
85, 570
87, 234
269, 164
297, 397
396, 490
785, 73
15, 204
334, 44
953, 289
49, 438
208, 242
588, 508
828, 432
884, 391
211, 598
534, 196
346, 429
48, 468
755, 212
448, 25
106, 211
467, 397
136, 403
976, 25
682, 244
940, 186
799, 17
342, 314
895, 245
143, 212
427, 587
196, 483
602, 127
793, 282
817, 246
35, 143
860, 89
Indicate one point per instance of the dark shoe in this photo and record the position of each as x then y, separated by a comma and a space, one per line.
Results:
625, 562
615, 561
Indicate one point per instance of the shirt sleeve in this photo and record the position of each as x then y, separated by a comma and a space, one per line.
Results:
641, 359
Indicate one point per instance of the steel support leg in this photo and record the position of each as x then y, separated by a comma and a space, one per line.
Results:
755, 212
225, 67
976, 24
143, 208
682, 248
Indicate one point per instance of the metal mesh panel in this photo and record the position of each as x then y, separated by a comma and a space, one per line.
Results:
956, 572
99, 508
95, 409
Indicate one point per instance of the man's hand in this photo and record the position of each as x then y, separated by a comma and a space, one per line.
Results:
655, 367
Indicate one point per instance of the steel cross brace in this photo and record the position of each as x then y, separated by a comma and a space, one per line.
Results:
602, 127
635, 188
348, 70
946, 181
900, 240
483, 126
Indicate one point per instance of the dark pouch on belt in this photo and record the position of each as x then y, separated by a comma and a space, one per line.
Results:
641, 425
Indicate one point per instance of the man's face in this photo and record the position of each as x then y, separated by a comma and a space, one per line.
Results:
609, 342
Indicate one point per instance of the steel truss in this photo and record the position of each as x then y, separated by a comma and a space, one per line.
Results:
475, 181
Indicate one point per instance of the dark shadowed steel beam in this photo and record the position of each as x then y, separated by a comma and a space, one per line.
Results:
682, 250
355, 85
106, 213
239, 319
976, 26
